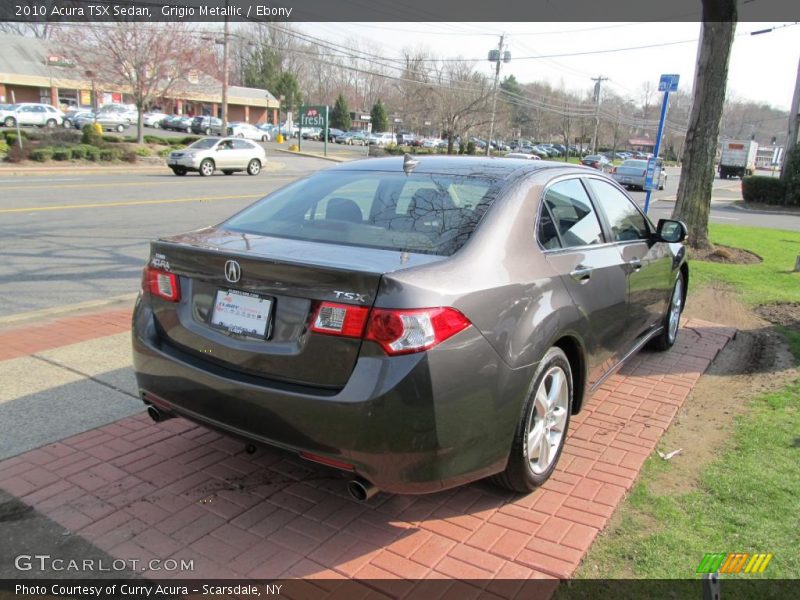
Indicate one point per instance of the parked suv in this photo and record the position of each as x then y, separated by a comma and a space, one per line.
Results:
29, 113
206, 125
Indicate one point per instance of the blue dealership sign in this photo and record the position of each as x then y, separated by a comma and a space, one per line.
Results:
651, 173
668, 83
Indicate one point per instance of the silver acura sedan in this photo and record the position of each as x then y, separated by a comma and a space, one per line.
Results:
211, 154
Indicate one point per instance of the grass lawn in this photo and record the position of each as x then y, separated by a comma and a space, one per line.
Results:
770, 281
746, 500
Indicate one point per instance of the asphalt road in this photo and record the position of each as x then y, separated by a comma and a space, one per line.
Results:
68, 238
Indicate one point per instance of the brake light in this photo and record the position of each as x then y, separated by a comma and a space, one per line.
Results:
397, 331
345, 320
162, 284
406, 331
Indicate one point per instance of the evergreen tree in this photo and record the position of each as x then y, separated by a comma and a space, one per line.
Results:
287, 86
380, 122
340, 116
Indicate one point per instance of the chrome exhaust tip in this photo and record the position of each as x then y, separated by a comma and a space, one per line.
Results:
157, 415
361, 489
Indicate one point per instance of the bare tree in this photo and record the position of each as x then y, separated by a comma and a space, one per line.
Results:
149, 61
462, 99
697, 178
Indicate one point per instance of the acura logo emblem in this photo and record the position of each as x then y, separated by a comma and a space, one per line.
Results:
233, 272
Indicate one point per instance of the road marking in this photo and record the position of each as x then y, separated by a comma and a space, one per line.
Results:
131, 203
28, 187
84, 185
726, 218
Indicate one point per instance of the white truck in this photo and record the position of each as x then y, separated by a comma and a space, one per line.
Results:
737, 158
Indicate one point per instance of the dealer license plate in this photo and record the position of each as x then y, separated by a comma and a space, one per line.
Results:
241, 312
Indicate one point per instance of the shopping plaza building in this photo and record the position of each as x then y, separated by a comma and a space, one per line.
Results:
32, 70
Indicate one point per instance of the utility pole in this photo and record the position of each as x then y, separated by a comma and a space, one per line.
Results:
598, 82
225, 40
794, 122
497, 56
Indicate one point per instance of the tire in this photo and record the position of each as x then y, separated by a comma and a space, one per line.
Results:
120, 128
156, 125
254, 167
179, 171
241, 135
264, 138
9, 122
666, 339
207, 131
206, 167
227, 171
547, 410
51, 123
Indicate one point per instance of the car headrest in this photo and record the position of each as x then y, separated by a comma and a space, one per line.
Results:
343, 209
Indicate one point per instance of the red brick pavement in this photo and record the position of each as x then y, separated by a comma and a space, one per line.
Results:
140, 490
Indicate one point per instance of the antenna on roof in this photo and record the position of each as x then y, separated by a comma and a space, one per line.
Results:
409, 163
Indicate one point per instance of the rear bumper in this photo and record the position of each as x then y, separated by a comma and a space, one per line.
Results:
409, 424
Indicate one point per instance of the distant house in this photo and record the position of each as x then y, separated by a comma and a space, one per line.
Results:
32, 70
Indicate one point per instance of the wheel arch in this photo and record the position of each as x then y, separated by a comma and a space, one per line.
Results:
576, 356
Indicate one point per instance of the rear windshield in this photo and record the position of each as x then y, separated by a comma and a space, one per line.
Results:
424, 213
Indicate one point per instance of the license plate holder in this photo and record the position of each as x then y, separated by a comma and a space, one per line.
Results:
242, 313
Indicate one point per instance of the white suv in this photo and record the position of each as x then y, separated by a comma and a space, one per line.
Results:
29, 113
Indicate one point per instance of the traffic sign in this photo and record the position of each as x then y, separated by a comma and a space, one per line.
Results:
668, 83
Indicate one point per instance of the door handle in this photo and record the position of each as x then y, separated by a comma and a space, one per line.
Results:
635, 264
581, 273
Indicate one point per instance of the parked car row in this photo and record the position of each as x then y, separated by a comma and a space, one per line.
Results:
31, 113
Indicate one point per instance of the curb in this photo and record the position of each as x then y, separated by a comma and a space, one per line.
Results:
786, 213
311, 155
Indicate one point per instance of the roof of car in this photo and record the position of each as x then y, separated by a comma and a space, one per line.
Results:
456, 165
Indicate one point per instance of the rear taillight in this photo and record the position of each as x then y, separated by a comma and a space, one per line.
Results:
397, 331
162, 284
406, 331
340, 319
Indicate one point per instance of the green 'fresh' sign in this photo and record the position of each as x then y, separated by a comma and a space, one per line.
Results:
313, 116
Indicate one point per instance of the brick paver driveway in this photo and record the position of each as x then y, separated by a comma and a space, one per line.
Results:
176, 490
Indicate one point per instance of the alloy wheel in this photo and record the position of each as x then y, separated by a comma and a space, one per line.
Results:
675, 309
548, 419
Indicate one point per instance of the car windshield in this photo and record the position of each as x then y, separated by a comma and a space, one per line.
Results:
204, 144
424, 213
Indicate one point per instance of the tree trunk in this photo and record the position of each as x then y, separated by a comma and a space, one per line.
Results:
697, 176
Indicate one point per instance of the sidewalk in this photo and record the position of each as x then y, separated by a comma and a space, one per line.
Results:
135, 489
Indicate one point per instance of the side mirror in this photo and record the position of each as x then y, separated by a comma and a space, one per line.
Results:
671, 231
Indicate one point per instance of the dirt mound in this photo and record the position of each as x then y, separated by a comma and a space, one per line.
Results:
781, 313
727, 255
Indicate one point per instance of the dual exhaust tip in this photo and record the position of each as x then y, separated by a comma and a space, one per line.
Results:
359, 488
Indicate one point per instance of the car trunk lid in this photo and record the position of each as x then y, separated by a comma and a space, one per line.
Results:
282, 280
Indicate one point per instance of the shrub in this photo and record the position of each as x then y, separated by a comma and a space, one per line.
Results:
3, 147
77, 152
92, 134
155, 139
164, 152
93, 154
62, 154
470, 147
109, 154
130, 156
16, 154
142, 151
792, 189
760, 188
11, 138
189, 139
131, 139
112, 139
41, 154
60, 137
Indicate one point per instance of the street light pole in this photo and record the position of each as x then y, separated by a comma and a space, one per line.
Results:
496, 56
598, 82
794, 123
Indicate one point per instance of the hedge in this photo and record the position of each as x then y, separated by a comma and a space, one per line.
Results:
762, 189
62, 154
3, 147
156, 139
41, 154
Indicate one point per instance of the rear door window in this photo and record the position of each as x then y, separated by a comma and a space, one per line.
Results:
568, 218
426, 213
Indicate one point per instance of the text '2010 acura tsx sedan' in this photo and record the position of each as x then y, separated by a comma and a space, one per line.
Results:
421, 324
